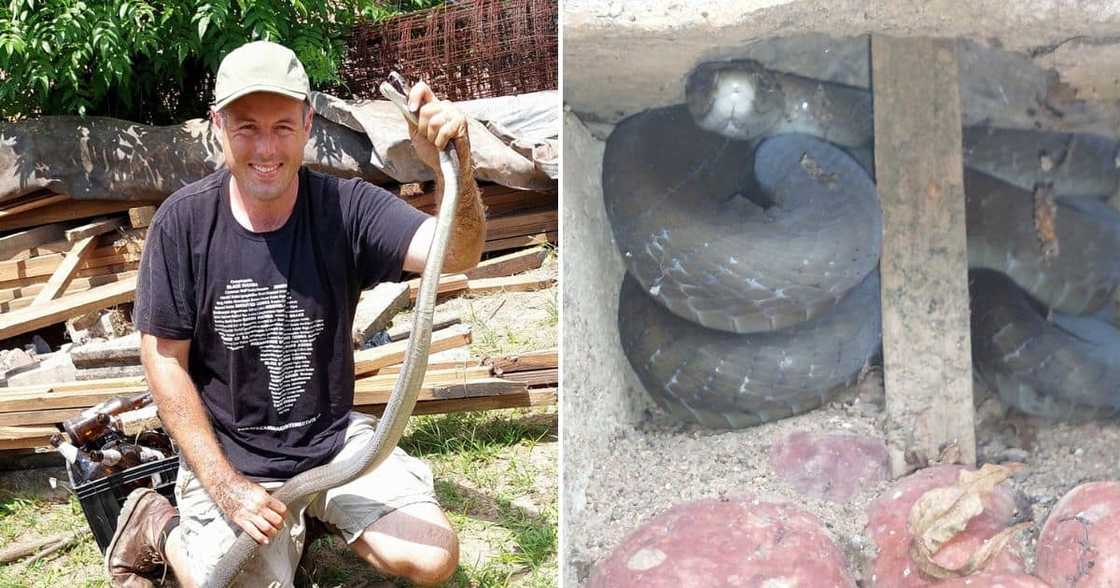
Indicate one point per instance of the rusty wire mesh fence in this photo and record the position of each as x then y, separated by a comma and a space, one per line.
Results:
465, 50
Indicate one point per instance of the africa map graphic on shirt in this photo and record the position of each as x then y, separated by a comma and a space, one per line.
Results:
267, 317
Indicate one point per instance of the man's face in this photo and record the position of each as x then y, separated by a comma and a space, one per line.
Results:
263, 135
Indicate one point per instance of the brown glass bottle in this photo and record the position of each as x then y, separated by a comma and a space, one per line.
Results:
87, 427
94, 422
156, 440
119, 404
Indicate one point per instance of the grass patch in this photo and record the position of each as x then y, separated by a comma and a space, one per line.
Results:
471, 434
501, 499
535, 329
23, 518
552, 309
495, 477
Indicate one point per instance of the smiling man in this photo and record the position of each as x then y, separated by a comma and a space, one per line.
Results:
245, 300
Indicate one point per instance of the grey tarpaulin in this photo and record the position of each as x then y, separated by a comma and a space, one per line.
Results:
106, 158
510, 141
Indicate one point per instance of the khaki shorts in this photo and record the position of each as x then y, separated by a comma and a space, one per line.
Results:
401, 480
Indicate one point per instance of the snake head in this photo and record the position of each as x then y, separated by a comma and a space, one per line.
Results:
739, 99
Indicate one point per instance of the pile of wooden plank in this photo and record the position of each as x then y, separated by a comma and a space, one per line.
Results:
498, 274
29, 415
53, 272
514, 218
60, 258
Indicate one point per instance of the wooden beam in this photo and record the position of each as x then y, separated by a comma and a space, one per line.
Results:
62, 275
33, 390
510, 264
76, 285
366, 391
376, 308
368, 360
66, 211
33, 410
37, 417
65, 399
439, 365
527, 240
25, 437
369, 394
37, 203
89, 278
451, 375
540, 397
456, 283
56, 311
521, 224
45, 265
484, 286
924, 265
499, 200
532, 360
490, 395
141, 217
11, 245
535, 377
93, 229
22, 284
448, 284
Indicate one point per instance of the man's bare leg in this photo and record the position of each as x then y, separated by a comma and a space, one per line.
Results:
415, 542
176, 555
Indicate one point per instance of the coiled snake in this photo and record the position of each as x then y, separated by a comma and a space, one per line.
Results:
750, 228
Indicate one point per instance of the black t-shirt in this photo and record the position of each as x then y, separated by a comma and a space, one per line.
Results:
269, 314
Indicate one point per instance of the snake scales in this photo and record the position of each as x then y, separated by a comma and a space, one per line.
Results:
751, 230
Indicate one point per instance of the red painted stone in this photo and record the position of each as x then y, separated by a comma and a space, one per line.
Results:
832, 466
735, 542
1080, 542
887, 524
995, 581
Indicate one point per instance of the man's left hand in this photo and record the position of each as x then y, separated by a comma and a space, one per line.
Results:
438, 122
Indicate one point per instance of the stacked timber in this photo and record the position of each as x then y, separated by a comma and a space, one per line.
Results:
57, 271
62, 258
29, 415
83, 272
514, 218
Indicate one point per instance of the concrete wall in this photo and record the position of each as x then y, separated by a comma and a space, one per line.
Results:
623, 56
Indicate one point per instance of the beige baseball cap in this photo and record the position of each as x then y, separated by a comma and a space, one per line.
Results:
260, 66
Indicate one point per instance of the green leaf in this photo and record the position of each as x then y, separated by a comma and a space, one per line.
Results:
67, 56
203, 24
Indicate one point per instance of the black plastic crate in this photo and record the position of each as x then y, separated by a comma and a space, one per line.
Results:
103, 499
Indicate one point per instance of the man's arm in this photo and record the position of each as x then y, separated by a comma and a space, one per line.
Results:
440, 123
180, 409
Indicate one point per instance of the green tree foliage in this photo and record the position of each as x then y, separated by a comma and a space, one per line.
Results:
154, 61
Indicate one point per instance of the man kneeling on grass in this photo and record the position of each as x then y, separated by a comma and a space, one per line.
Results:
246, 295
